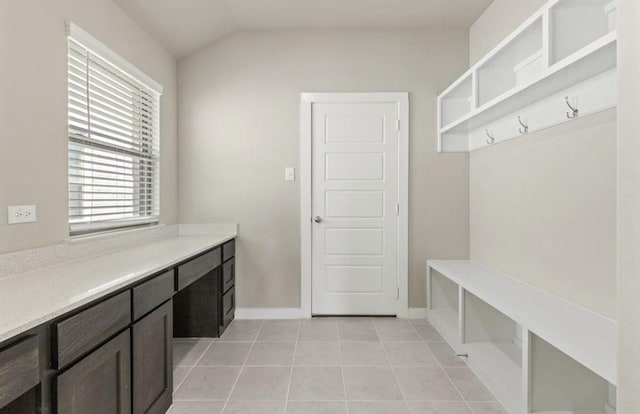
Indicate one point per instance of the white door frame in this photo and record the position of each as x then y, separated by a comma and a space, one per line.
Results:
306, 101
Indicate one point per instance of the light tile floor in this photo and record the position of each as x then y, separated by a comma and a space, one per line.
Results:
326, 365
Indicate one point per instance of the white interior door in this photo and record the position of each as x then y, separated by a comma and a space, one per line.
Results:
354, 205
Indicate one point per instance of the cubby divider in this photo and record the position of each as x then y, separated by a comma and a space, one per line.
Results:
536, 352
567, 47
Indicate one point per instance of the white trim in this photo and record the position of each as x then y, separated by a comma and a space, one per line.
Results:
306, 101
269, 313
88, 41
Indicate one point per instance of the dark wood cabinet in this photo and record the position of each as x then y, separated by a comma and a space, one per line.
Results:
196, 309
196, 268
152, 293
153, 361
80, 333
115, 355
100, 383
19, 369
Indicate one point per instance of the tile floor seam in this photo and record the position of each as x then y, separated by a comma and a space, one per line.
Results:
226, 403
393, 371
295, 348
195, 363
341, 364
233, 387
445, 372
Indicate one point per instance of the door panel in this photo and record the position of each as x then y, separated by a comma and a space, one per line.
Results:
354, 193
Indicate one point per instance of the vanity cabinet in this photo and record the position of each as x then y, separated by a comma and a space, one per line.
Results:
19, 369
153, 361
115, 355
99, 383
227, 285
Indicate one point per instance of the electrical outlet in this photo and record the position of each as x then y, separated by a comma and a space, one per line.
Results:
21, 214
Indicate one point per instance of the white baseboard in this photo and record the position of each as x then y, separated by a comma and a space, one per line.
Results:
297, 313
268, 313
417, 313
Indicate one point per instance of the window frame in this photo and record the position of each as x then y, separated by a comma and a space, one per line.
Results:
148, 186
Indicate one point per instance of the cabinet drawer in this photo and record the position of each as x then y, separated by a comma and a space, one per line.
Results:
228, 274
152, 293
80, 333
19, 369
228, 250
198, 267
228, 307
99, 383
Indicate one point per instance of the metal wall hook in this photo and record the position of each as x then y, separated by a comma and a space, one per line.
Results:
574, 111
491, 139
525, 127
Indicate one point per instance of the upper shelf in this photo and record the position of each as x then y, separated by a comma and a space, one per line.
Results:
566, 49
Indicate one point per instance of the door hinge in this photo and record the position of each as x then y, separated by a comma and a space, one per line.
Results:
397, 209
397, 125
397, 292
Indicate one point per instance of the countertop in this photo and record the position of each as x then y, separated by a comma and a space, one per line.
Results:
28, 300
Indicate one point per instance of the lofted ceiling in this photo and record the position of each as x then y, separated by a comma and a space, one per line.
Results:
184, 26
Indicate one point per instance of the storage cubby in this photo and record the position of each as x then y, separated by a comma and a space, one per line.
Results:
457, 102
566, 48
493, 342
517, 63
560, 385
444, 296
577, 23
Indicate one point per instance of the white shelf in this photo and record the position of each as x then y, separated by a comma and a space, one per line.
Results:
446, 322
530, 347
587, 337
497, 363
544, 60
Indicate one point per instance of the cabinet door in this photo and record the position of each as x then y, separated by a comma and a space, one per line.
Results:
153, 361
228, 304
100, 383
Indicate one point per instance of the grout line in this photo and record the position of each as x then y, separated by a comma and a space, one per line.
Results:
293, 359
393, 369
466, 403
344, 382
233, 387
195, 364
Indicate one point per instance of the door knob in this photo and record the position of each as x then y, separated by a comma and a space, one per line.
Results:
317, 219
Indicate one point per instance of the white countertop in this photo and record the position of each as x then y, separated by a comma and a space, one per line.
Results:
30, 299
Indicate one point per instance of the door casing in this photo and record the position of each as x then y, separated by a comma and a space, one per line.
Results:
306, 103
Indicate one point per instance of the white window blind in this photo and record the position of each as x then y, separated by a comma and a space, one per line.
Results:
114, 152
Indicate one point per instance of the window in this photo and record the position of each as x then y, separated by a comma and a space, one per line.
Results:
114, 135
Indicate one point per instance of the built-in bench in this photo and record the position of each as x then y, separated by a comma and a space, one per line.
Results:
535, 351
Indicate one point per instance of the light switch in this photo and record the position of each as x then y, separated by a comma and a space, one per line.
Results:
290, 174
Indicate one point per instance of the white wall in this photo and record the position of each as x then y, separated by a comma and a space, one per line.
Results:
628, 208
542, 208
33, 108
239, 127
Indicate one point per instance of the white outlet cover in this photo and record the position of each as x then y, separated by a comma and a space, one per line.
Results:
21, 214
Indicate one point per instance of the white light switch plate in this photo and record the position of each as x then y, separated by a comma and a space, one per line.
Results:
290, 174
21, 214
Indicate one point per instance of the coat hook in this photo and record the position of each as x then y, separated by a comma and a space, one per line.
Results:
525, 127
574, 111
491, 139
